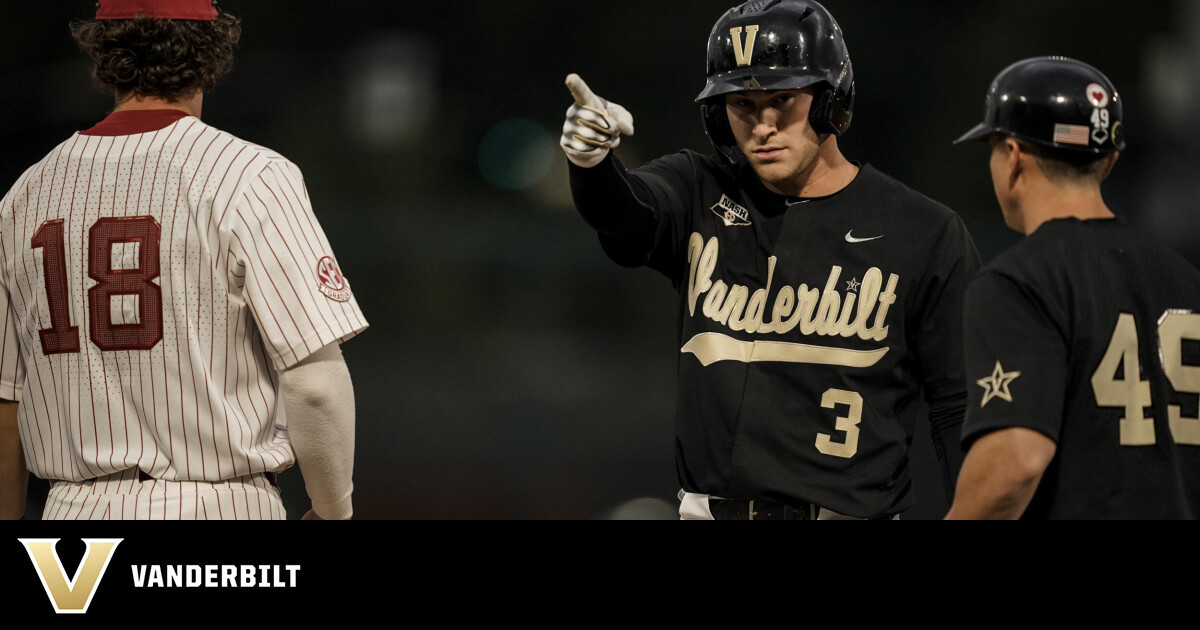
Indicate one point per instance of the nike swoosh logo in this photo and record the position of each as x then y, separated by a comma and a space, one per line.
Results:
851, 239
789, 203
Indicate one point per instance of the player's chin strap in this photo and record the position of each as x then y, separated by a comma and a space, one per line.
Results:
593, 125
720, 134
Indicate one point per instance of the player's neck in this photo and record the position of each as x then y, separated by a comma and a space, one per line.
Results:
1063, 202
190, 105
829, 173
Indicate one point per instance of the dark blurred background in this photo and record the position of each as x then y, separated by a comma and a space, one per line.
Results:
511, 371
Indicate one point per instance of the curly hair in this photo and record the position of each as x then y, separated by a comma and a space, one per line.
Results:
167, 59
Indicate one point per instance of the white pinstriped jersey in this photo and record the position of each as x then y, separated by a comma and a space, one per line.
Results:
152, 285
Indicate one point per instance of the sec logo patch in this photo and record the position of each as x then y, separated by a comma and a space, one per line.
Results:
331, 282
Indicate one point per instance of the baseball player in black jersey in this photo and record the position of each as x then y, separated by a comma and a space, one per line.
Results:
1082, 341
818, 299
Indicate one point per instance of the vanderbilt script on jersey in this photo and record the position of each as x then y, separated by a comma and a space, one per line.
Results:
813, 311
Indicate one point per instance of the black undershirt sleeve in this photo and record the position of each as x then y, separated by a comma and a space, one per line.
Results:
616, 205
939, 345
945, 428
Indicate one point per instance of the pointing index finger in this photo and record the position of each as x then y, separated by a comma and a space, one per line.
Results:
580, 90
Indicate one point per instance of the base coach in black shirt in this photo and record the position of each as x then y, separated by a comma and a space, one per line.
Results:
1082, 341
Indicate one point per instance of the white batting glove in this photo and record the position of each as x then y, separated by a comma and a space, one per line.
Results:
593, 126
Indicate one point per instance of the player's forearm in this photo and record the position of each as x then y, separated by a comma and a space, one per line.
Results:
1001, 474
319, 401
14, 478
990, 499
996, 508
606, 198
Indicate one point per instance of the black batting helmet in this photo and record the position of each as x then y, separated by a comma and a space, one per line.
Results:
777, 45
1055, 102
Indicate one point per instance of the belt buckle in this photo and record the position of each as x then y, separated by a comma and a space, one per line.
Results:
752, 512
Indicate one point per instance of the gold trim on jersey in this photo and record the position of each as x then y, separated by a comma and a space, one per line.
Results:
712, 347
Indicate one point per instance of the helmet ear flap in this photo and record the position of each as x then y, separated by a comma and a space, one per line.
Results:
827, 115
716, 125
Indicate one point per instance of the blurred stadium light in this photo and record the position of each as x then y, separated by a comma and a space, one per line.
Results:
516, 154
392, 89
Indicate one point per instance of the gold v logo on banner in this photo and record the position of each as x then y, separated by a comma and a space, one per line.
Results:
743, 51
73, 595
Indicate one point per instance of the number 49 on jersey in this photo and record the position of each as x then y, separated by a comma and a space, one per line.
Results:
1133, 394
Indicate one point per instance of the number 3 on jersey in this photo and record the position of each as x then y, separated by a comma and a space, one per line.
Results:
61, 337
848, 423
1133, 394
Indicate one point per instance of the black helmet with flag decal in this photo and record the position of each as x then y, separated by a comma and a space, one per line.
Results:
1056, 102
777, 45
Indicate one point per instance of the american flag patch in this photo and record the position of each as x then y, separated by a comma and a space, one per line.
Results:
1071, 134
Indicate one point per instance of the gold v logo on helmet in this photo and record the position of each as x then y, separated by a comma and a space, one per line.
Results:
74, 595
743, 51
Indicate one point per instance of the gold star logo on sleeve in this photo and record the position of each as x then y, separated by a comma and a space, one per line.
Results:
996, 385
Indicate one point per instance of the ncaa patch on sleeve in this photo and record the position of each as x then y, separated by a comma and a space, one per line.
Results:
331, 282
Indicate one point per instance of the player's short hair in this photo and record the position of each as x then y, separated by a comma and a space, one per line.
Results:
167, 59
1067, 167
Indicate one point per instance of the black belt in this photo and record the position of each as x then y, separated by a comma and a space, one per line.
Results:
142, 476
757, 510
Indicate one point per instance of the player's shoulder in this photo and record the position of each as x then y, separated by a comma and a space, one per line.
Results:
686, 161
1061, 251
1036, 255
1159, 263
242, 165
687, 170
1067, 242
248, 148
32, 172
888, 190
1147, 242
922, 222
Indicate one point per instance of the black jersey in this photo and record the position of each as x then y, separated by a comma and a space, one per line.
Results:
809, 329
1089, 332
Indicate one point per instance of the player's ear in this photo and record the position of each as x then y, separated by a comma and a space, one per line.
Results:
1112, 161
1016, 158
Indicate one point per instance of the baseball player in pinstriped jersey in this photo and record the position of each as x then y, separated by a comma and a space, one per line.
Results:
170, 309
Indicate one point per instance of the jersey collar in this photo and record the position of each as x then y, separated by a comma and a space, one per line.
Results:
129, 122
788, 201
